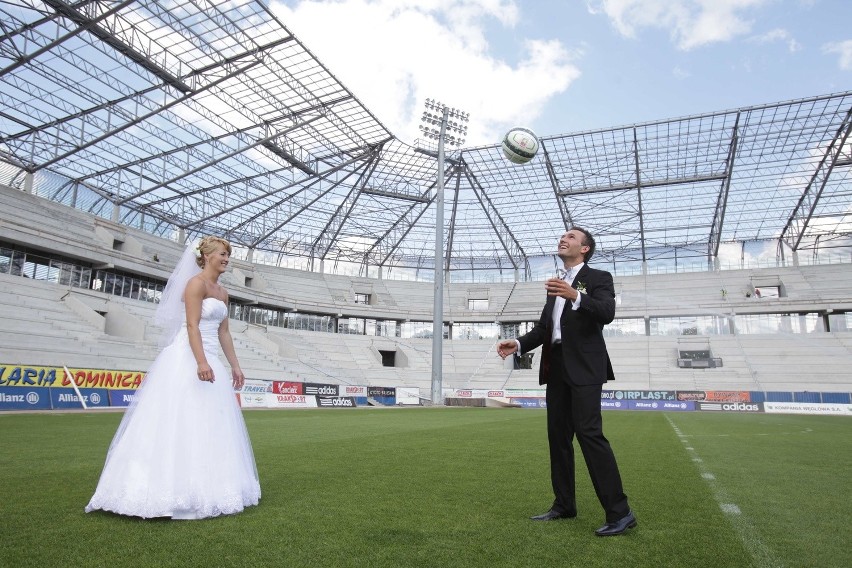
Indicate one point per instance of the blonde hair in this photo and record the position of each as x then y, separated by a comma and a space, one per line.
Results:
207, 246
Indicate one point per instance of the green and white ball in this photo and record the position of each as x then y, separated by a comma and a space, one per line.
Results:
520, 145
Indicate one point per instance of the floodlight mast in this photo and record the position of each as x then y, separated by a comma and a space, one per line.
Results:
438, 114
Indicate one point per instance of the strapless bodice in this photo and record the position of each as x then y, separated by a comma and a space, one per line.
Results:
213, 311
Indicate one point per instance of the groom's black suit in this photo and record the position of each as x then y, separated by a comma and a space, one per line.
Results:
574, 372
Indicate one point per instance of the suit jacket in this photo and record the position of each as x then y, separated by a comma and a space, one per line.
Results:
584, 350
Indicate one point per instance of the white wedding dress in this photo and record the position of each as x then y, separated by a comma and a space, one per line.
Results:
182, 449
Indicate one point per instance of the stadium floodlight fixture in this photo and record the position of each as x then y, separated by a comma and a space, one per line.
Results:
438, 126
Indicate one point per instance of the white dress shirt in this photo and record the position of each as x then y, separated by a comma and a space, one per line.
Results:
559, 305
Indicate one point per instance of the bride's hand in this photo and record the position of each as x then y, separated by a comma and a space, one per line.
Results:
205, 373
239, 378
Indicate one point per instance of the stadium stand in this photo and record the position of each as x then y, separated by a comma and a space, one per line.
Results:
47, 323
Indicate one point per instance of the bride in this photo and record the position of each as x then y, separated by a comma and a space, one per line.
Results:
182, 449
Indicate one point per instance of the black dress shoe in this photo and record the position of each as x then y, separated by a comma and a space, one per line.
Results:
618, 527
553, 515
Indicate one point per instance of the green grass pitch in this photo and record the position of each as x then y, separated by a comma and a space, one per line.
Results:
451, 487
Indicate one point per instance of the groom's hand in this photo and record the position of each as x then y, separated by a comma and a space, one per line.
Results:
558, 287
506, 347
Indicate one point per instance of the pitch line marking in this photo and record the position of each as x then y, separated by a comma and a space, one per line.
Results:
762, 555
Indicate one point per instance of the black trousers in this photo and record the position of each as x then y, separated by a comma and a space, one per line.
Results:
575, 410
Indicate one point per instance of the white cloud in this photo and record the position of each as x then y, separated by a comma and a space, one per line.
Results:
776, 35
680, 73
844, 50
691, 23
393, 54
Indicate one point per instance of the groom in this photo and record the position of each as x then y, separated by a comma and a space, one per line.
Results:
574, 366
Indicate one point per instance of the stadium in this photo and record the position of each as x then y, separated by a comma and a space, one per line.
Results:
151, 125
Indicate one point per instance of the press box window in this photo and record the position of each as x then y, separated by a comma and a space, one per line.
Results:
767, 292
362, 299
477, 305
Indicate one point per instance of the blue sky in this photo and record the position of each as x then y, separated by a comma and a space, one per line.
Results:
567, 66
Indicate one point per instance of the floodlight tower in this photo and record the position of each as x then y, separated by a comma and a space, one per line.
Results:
437, 120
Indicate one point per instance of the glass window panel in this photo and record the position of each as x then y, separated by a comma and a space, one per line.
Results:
135, 288
690, 325
274, 318
476, 331
98, 281
621, 327
17, 267
52, 274
37, 267
5, 260
145, 292
386, 328
118, 290
840, 322
416, 329
127, 289
109, 282
351, 326
779, 323
66, 271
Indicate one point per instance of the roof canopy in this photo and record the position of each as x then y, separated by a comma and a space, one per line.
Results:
213, 118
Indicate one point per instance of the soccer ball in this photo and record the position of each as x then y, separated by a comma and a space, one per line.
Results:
520, 145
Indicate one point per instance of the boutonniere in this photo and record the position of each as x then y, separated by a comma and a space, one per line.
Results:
581, 287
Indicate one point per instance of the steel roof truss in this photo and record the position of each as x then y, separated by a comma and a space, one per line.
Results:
797, 225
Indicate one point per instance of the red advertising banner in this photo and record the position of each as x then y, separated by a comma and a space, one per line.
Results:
728, 396
287, 387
